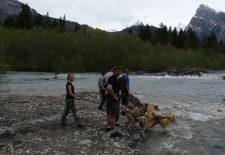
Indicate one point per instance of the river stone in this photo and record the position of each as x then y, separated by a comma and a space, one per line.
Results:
219, 110
116, 144
85, 142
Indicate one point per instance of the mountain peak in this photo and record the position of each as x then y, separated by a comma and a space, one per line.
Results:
203, 6
138, 23
207, 20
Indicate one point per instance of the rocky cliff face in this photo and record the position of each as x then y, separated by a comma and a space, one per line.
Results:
10, 8
207, 20
13, 7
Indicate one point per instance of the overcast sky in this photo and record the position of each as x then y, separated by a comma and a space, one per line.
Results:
118, 14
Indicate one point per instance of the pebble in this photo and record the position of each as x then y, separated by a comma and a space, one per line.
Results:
85, 142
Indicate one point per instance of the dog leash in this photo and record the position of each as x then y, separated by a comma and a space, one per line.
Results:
84, 99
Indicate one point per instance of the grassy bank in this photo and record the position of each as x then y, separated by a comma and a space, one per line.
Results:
44, 50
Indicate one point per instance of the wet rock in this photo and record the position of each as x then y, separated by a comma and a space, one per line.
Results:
219, 110
85, 142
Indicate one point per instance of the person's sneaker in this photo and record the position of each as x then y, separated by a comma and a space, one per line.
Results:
63, 123
100, 108
117, 124
123, 113
108, 129
79, 125
116, 134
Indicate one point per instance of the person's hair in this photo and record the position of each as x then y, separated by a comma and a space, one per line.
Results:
111, 66
68, 75
103, 73
116, 68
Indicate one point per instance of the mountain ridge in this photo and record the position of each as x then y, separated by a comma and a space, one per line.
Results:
10, 8
207, 20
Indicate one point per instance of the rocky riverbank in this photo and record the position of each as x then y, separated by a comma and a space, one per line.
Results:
31, 125
171, 72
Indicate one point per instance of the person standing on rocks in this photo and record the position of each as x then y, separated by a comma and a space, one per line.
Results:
124, 87
113, 101
102, 89
70, 102
105, 78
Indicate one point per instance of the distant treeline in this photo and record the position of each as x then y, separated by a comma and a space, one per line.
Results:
27, 20
178, 38
44, 48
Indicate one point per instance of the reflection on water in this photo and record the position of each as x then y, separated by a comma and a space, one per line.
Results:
197, 103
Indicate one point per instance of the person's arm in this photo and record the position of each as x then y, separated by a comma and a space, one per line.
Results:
69, 88
126, 82
127, 88
110, 90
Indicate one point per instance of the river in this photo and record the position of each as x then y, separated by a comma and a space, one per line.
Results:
197, 103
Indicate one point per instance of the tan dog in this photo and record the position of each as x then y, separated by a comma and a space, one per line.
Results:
133, 114
151, 108
150, 120
164, 121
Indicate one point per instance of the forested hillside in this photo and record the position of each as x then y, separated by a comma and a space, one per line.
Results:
39, 44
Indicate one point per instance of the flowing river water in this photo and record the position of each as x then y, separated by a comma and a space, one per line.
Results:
197, 103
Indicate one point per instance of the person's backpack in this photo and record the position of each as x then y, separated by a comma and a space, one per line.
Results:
102, 83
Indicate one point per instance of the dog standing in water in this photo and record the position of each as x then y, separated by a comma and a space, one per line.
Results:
150, 119
145, 115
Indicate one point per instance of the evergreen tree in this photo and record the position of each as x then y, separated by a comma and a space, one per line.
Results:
192, 39
77, 27
24, 17
170, 35
46, 21
130, 31
174, 37
210, 42
181, 39
54, 24
10, 22
221, 47
162, 34
38, 20
64, 22
145, 33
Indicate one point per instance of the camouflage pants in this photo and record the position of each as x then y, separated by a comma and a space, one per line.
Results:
70, 106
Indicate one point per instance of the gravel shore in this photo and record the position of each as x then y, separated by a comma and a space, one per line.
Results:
31, 125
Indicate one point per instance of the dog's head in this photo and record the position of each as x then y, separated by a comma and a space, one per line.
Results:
151, 108
156, 107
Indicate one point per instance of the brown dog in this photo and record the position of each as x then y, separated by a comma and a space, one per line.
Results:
134, 114
150, 120
151, 108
